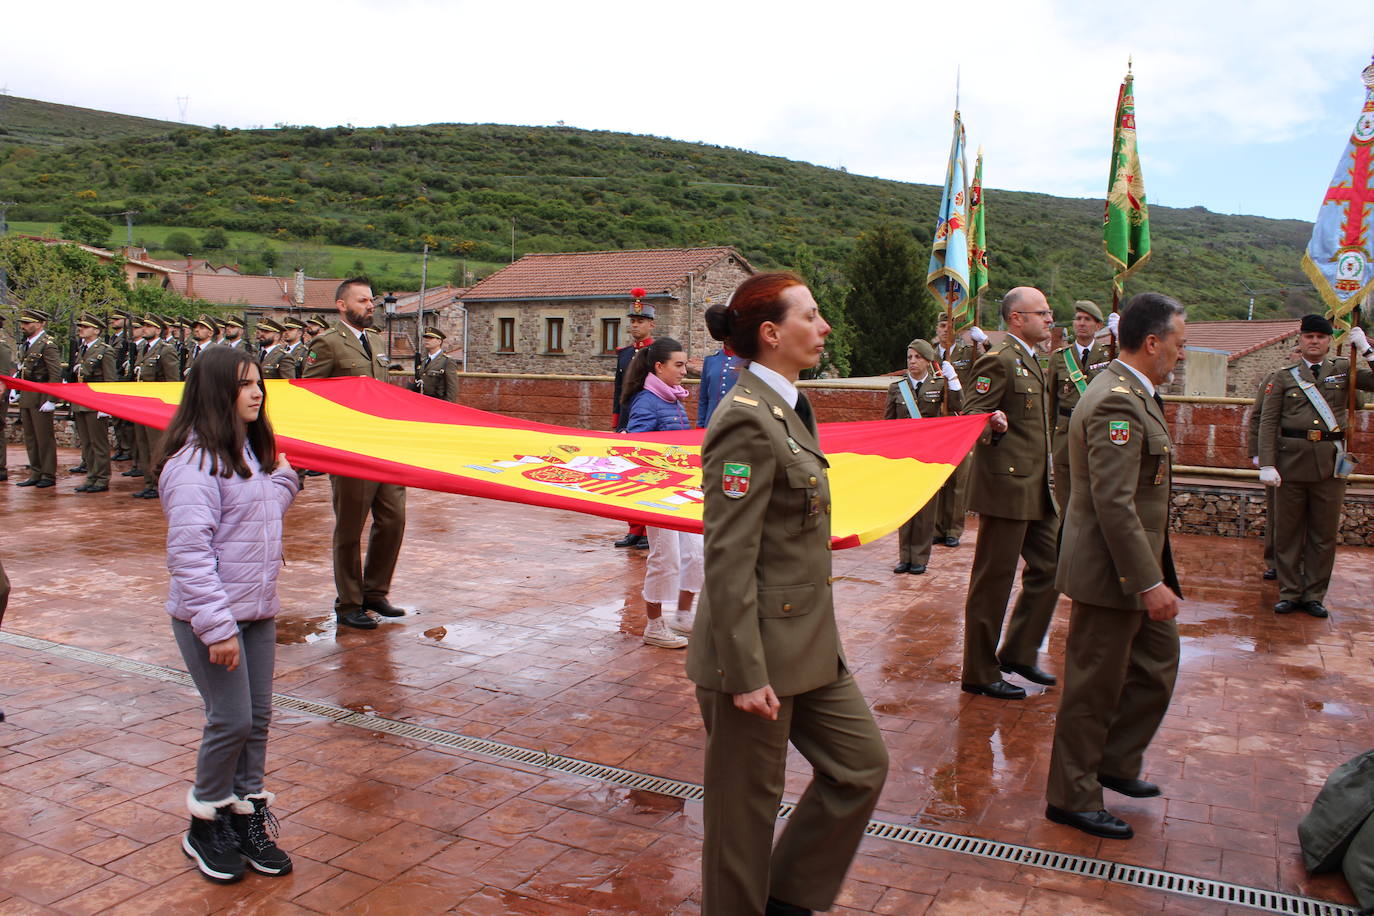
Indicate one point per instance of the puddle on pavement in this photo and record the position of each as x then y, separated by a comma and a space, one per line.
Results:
360, 708
1331, 709
295, 631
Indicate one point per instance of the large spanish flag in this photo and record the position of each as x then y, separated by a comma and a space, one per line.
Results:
882, 472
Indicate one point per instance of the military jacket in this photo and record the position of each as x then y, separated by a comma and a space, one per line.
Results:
929, 396
296, 356
438, 378
1010, 477
1291, 431
277, 363
962, 357
158, 363
6, 358
126, 353
97, 364
40, 362
1064, 393
767, 614
1116, 527
338, 352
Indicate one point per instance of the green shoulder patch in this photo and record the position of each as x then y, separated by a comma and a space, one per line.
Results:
1119, 431
734, 481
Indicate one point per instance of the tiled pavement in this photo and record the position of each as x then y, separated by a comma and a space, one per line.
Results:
525, 631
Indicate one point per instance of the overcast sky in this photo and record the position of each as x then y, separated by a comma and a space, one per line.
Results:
1243, 106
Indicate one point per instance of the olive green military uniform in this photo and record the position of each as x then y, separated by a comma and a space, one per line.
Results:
157, 363
1064, 395
6, 368
1252, 449
332, 354
277, 363
951, 504
126, 353
914, 538
438, 378
92, 363
39, 361
767, 617
1120, 665
1307, 506
293, 360
1010, 491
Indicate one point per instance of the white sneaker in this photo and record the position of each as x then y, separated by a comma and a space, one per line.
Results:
656, 633
682, 623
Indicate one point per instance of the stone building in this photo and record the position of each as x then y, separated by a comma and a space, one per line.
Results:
1252, 349
565, 314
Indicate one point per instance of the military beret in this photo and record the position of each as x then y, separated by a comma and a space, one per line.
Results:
1089, 308
34, 315
923, 349
291, 324
233, 321
436, 334
267, 324
1315, 324
90, 321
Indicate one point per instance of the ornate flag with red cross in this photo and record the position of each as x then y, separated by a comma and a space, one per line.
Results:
1340, 257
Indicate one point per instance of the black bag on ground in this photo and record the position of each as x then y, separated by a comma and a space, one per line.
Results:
1343, 804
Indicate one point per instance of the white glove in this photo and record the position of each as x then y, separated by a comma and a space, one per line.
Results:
1270, 477
947, 371
977, 334
14, 396
102, 416
1254, 460
1359, 342
1113, 320
47, 407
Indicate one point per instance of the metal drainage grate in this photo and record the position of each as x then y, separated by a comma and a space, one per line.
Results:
1133, 875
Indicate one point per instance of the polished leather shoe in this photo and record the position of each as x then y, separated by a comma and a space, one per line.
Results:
1099, 823
641, 543
314, 473
902, 568
122, 456
951, 542
96, 488
1287, 607
939, 540
31, 482
998, 690
1316, 609
1270, 574
79, 469
146, 494
917, 569
776, 907
132, 472
629, 540
44, 484
1135, 788
383, 607
1031, 673
84, 488
357, 619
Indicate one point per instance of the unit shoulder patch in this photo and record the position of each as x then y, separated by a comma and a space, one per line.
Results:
982, 384
734, 480
1119, 431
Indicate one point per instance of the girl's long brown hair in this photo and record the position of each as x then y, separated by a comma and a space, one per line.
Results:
208, 414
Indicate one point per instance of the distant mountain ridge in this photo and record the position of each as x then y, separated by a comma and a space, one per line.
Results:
461, 186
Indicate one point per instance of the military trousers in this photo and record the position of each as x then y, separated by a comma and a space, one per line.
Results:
41, 443
4, 592
147, 450
1309, 517
95, 446
1119, 675
1269, 526
952, 501
746, 768
914, 538
1061, 483
357, 580
1000, 542
4, 444
124, 436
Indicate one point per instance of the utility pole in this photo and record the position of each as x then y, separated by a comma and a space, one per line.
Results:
512, 240
129, 229
182, 102
4, 224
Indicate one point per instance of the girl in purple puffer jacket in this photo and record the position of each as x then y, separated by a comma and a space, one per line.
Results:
653, 390
224, 488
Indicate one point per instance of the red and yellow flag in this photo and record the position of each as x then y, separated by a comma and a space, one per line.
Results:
882, 471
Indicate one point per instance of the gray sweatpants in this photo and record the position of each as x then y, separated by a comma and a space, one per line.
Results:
238, 708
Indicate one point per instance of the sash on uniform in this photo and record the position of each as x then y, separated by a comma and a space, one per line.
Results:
1075, 373
909, 397
1344, 463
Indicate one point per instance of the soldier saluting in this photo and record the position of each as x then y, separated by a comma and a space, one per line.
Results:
1302, 453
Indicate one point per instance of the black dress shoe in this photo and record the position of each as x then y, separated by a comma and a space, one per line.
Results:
776, 907
1031, 673
84, 488
132, 472
31, 482
939, 540
1099, 823
44, 484
1316, 609
383, 607
96, 488
357, 619
917, 569
314, 473
121, 456
1283, 607
1270, 574
146, 494
79, 469
902, 568
641, 542
951, 542
629, 540
1135, 788
998, 690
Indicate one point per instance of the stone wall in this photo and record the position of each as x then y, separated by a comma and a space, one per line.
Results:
1238, 509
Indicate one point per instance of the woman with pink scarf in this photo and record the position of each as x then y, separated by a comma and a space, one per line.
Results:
653, 389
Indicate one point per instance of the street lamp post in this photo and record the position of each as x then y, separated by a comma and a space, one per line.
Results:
389, 301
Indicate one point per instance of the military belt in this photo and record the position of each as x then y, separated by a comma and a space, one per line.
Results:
1314, 435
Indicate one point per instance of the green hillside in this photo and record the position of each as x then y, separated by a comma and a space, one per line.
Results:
460, 186
36, 123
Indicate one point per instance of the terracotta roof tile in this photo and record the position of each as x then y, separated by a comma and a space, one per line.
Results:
597, 274
1239, 338
435, 298
256, 291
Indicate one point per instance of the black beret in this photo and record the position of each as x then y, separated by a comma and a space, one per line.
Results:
1315, 324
